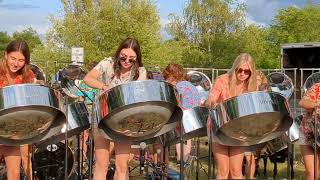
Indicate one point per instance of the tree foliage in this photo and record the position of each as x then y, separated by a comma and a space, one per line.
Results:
4, 40
100, 25
30, 36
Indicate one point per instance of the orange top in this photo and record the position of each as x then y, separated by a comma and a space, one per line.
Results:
18, 80
221, 87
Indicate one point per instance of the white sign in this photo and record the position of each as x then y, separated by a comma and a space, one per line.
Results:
77, 55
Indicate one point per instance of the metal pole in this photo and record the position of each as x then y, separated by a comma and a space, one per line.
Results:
91, 136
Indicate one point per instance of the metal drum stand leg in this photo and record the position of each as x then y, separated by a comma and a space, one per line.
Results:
315, 162
93, 119
181, 152
66, 142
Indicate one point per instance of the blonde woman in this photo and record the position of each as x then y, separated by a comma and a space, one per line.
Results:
240, 79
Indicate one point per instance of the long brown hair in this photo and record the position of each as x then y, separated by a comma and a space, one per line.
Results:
134, 45
17, 46
251, 81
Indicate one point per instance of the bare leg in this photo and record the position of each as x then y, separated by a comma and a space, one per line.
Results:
221, 155
12, 157
308, 158
26, 160
187, 150
235, 162
122, 150
102, 156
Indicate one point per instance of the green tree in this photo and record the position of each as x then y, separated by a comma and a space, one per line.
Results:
209, 25
100, 25
30, 36
4, 40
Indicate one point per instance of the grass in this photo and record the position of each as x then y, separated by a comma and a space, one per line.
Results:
282, 167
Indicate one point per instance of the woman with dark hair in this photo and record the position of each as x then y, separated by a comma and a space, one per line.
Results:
124, 66
189, 98
14, 69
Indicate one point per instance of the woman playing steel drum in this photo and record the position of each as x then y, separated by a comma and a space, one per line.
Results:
125, 66
310, 102
240, 79
14, 69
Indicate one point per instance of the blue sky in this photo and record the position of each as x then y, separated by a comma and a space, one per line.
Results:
16, 15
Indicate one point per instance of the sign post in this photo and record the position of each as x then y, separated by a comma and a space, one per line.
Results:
77, 55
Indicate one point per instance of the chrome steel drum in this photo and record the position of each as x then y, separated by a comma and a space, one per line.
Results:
26, 113
78, 121
251, 118
281, 83
202, 82
138, 110
68, 78
311, 80
40, 75
281, 142
194, 125
49, 161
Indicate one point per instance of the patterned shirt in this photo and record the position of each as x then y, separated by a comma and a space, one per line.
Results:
18, 80
307, 124
189, 95
105, 67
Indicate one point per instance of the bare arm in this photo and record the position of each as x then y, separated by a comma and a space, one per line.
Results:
308, 104
91, 79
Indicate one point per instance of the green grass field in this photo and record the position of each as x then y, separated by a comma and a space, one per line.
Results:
191, 170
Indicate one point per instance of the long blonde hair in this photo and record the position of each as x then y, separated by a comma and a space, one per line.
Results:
251, 81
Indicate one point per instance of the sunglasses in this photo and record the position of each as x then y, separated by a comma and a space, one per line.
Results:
245, 71
124, 58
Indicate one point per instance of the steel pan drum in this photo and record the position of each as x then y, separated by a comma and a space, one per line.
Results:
281, 142
26, 113
78, 121
251, 118
40, 75
202, 82
281, 83
138, 110
49, 161
194, 125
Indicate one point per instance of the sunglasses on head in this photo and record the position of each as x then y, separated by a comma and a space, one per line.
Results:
124, 58
246, 71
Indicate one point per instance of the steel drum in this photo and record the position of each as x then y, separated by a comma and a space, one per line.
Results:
251, 118
281, 83
66, 80
202, 82
311, 80
49, 161
26, 113
138, 110
290, 136
40, 75
194, 122
78, 121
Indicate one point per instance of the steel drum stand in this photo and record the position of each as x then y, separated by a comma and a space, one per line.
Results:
315, 164
289, 157
66, 142
181, 152
93, 118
